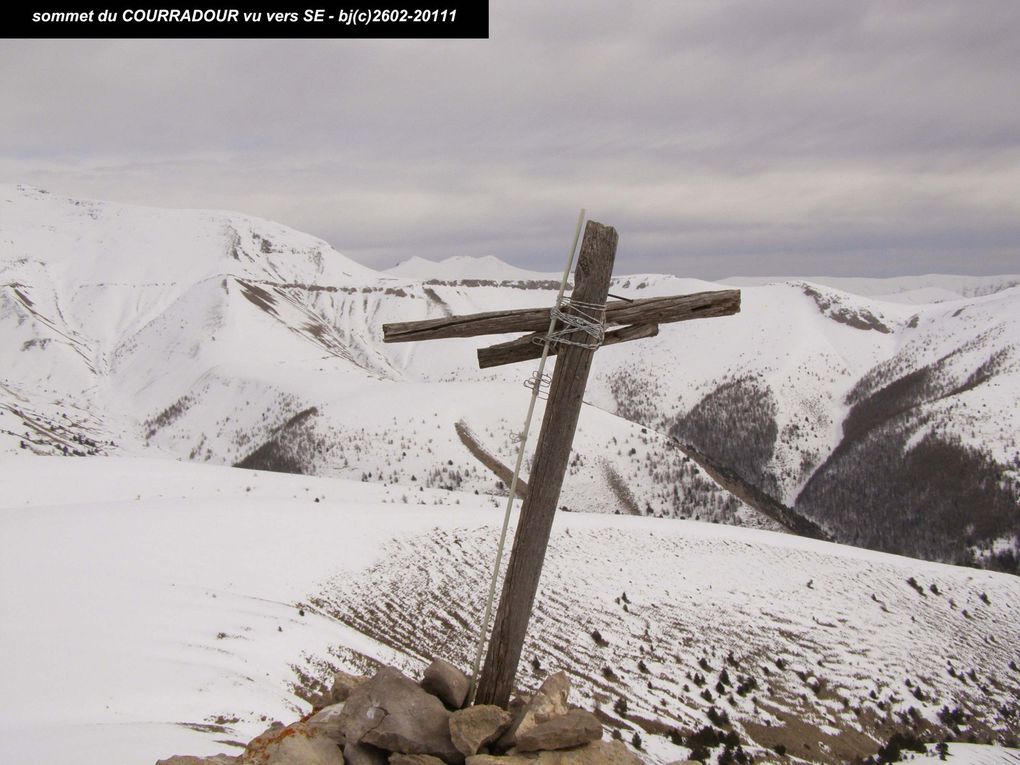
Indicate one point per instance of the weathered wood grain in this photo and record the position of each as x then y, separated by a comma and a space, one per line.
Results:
524, 348
595, 265
654, 310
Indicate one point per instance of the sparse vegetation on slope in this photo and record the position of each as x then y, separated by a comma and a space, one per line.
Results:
901, 482
735, 425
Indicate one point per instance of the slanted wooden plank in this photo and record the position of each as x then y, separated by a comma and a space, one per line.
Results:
655, 310
524, 348
552, 453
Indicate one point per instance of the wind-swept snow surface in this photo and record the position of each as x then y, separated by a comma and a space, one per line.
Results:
152, 607
155, 599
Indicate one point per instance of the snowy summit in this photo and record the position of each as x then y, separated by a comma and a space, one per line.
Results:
265, 493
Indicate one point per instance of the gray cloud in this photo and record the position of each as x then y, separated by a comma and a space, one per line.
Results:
719, 137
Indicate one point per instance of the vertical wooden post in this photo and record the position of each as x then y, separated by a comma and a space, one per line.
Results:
552, 453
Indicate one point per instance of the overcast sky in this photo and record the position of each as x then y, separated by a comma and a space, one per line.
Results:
797, 137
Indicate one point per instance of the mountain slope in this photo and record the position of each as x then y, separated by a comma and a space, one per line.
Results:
225, 339
180, 607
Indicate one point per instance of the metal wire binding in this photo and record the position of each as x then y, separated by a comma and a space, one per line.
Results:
584, 327
540, 381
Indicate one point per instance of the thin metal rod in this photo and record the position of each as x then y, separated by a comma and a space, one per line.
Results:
517, 470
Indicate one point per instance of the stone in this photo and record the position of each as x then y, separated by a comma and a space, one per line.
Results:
549, 701
320, 700
556, 687
327, 720
296, 744
393, 712
474, 727
444, 680
187, 759
595, 753
575, 728
414, 759
508, 759
364, 754
343, 684
269, 733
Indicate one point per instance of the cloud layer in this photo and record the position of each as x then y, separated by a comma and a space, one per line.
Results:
719, 137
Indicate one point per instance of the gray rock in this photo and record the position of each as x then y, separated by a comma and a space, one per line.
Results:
364, 754
343, 684
595, 753
414, 759
444, 680
509, 759
393, 712
557, 688
327, 720
297, 744
549, 701
506, 759
187, 759
474, 727
575, 728
320, 700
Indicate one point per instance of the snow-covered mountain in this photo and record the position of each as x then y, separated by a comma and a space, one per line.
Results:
927, 288
154, 604
462, 268
221, 338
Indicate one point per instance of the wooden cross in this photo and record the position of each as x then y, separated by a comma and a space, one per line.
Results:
636, 319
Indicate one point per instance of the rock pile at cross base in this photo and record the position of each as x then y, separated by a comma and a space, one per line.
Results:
388, 719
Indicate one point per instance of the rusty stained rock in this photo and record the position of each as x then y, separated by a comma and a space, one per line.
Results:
297, 744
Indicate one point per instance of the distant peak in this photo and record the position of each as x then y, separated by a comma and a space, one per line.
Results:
457, 267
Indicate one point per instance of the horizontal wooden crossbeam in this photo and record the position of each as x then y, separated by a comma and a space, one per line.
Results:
655, 310
524, 348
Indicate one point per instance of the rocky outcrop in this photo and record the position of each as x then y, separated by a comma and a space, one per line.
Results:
388, 719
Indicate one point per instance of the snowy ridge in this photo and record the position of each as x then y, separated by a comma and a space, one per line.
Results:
205, 601
190, 337
928, 288
99, 301
461, 268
